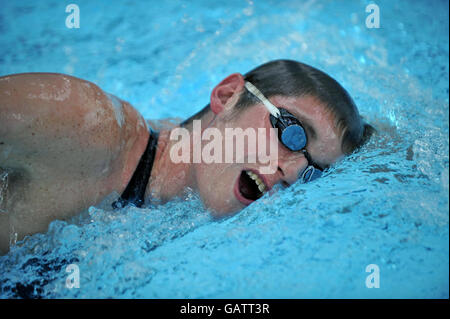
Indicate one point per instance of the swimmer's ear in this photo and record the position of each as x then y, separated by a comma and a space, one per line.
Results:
226, 93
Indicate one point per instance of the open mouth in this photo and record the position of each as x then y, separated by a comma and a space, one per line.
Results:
250, 187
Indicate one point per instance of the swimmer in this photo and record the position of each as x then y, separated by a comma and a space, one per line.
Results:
65, 144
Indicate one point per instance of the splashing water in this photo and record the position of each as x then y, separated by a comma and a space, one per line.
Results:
386, 205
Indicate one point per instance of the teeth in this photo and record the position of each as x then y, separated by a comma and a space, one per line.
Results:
257, 180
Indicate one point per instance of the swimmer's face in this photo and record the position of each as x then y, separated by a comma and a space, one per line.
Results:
226, 188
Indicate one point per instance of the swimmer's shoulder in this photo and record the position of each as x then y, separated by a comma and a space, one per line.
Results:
53, 115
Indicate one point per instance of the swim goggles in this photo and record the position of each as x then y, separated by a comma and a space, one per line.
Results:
290, 133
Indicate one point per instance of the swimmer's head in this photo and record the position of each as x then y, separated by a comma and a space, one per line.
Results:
295, 79
331, 120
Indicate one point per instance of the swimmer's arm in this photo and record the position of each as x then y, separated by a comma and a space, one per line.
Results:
66, 144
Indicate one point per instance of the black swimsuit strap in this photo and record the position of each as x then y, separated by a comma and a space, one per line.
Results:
135, 190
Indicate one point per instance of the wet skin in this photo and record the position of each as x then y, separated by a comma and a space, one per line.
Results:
323, 146
66, 144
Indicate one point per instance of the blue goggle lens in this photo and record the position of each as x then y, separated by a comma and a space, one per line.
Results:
294, 137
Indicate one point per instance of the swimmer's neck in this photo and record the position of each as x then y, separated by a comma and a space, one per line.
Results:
168, 179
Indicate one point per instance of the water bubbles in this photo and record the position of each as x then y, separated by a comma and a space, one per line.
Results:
445, 180
362, 209
362, 59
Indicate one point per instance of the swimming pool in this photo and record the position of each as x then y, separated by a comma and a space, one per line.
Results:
386, 205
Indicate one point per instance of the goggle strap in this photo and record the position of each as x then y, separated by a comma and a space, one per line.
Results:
272, 108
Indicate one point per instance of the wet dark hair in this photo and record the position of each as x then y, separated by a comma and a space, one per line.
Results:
295, 79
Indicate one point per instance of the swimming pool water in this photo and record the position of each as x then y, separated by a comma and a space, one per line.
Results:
386, 205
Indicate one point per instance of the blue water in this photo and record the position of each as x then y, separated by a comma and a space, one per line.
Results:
386, 205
